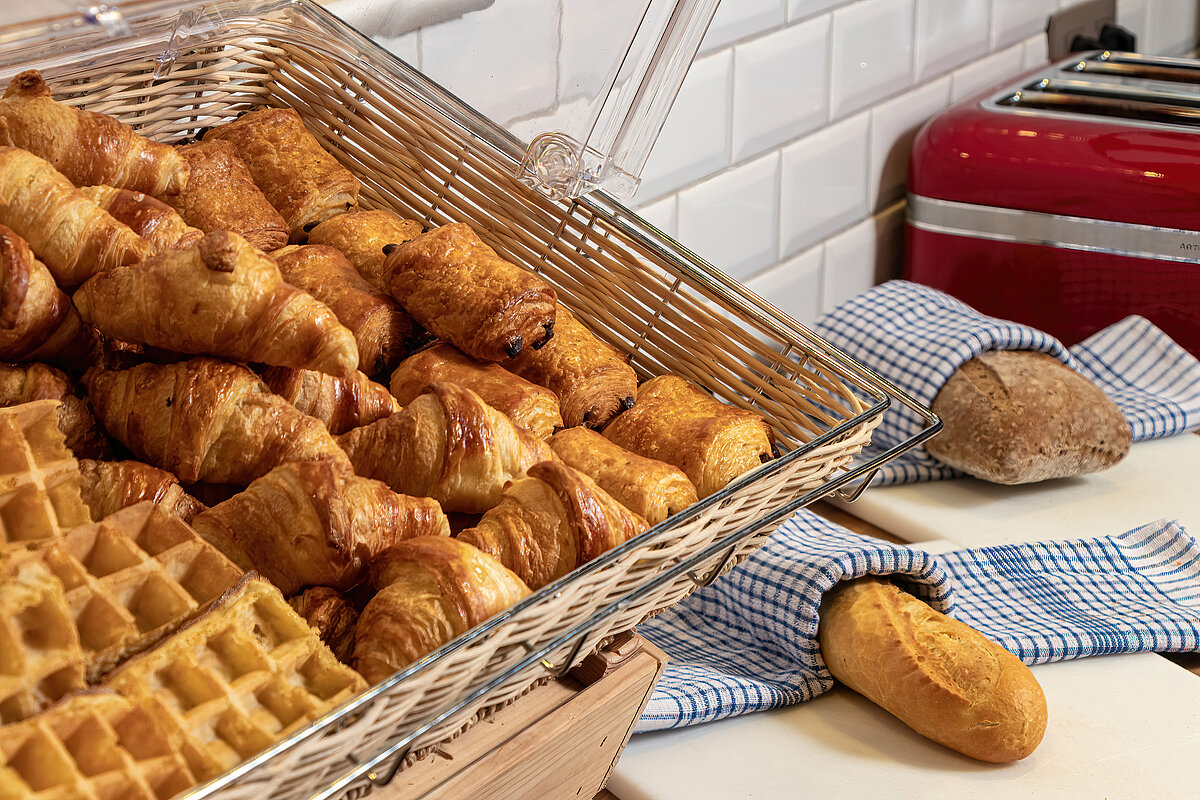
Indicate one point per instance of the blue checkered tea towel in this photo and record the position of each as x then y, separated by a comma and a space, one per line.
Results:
748, 642
917, 337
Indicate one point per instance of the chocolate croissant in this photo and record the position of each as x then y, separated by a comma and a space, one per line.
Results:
650, 488
73, 236
219, 297
675, 422
341, 403
332, 615
531, 407
593, 381
37, 321
27, 383
458, 289
205, 420
432, 590
315, 523
221, 196
304, 183
550, 522
381, 328
148, 217
366, 238
109, 486
447, 444
88, 148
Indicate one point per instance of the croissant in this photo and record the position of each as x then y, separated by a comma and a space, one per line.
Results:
332, 615
148, 217
315, 523
652, 489
550, 522
433, 590
221, 196
73, 236
37, 321
26, 383
219, 297
205, 420
675, 422
109, 486
88, 148
531, 407
447, 444
340, 403
458, 289
366, 238
305, 184
381, 328
593, 381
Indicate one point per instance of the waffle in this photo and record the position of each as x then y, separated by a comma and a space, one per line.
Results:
241, 677
39, 478
93, 746
133, 578
40, 655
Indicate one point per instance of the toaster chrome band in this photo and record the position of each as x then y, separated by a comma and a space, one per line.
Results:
1053, 230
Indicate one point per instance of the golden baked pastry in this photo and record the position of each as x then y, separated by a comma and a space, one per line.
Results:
148, 217
88, 148
457, 288
109, 486
381, 328
37, 321
447, 444
205, 420
73, 236
27, 383
531, 407
366, 238
550, 522
431, 590
341, 403
221, 196
315, 523
675, 422
592, 380
305, 184
652, 489
333, 616
219, 297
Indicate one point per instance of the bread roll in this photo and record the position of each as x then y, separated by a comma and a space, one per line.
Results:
1020, 417
943, 679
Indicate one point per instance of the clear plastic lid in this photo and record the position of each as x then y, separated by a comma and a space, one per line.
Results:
585, 85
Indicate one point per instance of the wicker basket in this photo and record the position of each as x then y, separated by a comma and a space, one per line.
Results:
422, 153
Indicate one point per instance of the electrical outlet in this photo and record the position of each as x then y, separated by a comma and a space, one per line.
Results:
1085, 19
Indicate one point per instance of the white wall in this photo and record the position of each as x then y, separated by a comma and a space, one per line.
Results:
800, 193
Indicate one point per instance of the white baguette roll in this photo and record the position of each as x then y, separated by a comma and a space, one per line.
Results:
943, 679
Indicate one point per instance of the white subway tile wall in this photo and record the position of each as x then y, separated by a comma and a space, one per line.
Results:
784, 158
891, 64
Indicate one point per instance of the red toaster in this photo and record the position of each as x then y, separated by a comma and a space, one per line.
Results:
1069, 200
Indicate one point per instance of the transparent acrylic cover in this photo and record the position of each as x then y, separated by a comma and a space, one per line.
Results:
583, 85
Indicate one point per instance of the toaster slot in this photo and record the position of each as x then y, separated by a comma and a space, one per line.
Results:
1105, 104
1132, 65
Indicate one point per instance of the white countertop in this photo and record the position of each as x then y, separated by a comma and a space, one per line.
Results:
1120, 726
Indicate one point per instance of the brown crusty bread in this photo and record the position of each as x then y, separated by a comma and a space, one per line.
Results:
943, 679
1019, 417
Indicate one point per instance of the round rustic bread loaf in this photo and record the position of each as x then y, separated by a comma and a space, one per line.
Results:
1018, 416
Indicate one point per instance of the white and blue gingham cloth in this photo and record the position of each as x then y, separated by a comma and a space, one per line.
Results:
748, 642
917, 337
